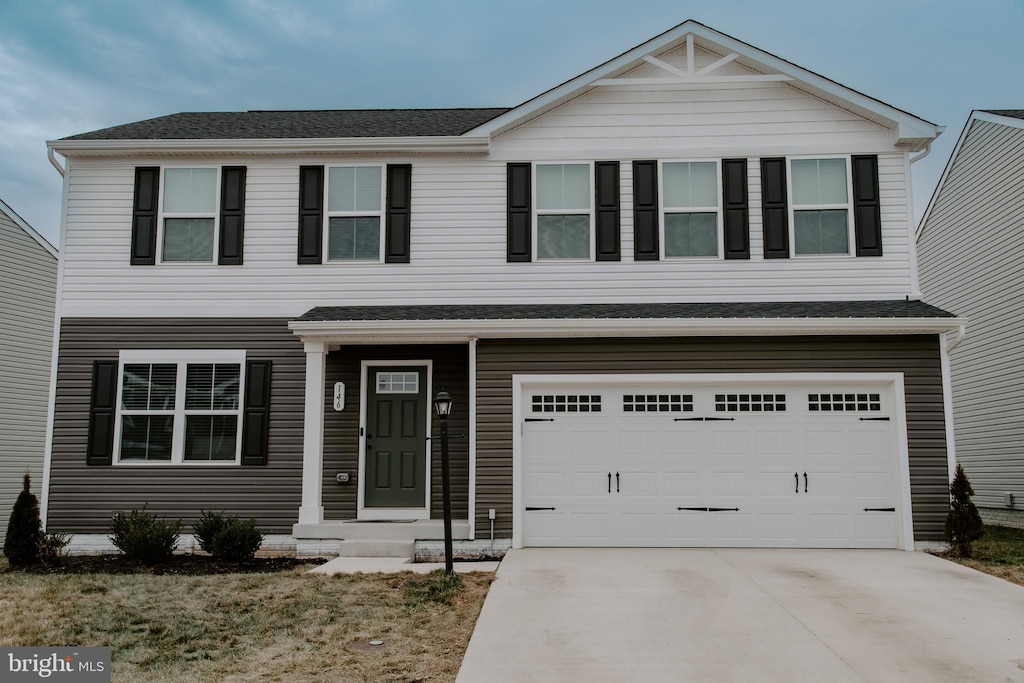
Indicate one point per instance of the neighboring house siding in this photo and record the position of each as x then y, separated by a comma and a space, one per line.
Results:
915, 356
83, 498
341, 429
458, 228
972, 263
28, 286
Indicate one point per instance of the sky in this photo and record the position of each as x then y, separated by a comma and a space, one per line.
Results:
80, 65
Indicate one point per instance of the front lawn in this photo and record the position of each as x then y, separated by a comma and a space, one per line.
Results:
999, 552
285, 626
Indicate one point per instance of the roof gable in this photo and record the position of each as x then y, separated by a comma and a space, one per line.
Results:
908, 130
29, 230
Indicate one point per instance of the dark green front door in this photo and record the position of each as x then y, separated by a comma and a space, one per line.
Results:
396, 437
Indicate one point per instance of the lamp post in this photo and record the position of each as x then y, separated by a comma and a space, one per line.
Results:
443, 406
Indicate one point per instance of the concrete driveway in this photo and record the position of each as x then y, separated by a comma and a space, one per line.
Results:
827, 616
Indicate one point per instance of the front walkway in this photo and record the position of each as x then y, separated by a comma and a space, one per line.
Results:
744, 615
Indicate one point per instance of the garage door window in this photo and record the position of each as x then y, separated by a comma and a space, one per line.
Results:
750, 403
848, 403
565, 403
657, 403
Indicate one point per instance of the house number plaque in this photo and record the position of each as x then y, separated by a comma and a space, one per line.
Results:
339, 396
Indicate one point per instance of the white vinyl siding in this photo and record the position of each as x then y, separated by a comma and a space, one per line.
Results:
28, 282
972, 263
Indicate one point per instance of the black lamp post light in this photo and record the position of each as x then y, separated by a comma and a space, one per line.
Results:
443, 406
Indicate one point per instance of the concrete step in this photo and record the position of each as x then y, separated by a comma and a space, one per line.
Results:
377, 548
419, 530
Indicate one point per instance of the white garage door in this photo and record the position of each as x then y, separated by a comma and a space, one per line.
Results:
756, 464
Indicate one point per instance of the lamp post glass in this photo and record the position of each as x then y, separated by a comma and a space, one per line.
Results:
443, 406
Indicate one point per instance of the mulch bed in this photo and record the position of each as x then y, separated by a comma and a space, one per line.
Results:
184, 565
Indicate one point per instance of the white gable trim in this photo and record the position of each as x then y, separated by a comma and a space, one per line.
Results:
20, 222
976, 115
907, 128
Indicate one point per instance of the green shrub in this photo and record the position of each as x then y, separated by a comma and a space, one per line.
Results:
227, 537
144, 537
24, 530
51, 549
963, 523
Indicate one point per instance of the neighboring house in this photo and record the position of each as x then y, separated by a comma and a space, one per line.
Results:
674, 299
28, 287
971, 247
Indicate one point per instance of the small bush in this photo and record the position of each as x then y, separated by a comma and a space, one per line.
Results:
228, 538
963, 523
51, 549
24, 530
144, 537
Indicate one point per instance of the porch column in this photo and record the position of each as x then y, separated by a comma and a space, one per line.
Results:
312, 509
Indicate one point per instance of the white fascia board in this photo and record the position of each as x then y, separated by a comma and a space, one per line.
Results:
908, 128
275, 146
20, 222
382, 331
976, 115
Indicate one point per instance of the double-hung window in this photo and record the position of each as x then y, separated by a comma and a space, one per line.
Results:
354, 210
563, 211
189, 214
180, 408
820, 192
690, 205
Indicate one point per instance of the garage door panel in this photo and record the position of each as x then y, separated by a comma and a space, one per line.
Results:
673, 449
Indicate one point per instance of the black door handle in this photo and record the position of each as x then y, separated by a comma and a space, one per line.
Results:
616, 482
609, 482
805, 482
796, 475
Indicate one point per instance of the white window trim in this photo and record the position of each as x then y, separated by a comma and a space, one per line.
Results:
182, 359
176, 214
589, 212
328, 215
663, 210
848, 207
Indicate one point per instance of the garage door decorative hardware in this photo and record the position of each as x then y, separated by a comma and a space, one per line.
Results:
704, 419
617, 490
530, 509
711, 509
540, 419
874, 419
879, 509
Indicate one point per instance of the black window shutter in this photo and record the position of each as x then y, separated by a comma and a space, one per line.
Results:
256, 413
144, 216
519, 208
399, 202
645, 211
606, 182
737, 214
775, 208
232, 215
311, 214
102, 412
867, 208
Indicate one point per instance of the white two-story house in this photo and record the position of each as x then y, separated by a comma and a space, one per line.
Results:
674, 299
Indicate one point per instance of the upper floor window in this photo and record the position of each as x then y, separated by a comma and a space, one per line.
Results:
821, 205
690, 205
563, 211
189, 214
175, 410
354, 209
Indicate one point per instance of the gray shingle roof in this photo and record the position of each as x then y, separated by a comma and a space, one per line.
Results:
336, 123
803, 309
1014, 113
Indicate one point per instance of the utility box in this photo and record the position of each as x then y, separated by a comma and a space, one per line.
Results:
1008, 500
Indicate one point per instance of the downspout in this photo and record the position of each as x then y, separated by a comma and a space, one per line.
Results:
947, 398
53, 160
922, 155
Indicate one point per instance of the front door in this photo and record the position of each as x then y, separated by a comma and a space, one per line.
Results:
396, 437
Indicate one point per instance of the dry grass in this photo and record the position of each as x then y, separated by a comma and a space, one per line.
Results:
250, 627
1000, 552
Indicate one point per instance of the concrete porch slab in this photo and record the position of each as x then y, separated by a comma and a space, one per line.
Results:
389, 565
356, 529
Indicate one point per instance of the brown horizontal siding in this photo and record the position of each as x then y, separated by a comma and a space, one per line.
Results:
915, 356
83, 498
341, 429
